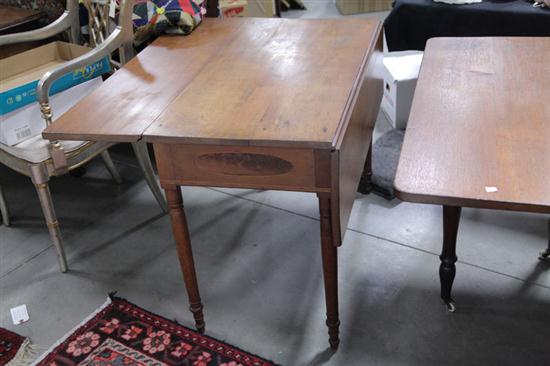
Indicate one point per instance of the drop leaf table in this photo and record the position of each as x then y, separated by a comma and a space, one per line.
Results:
249, 103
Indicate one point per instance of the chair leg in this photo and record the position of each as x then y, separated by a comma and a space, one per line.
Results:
45, 198
144, 160
40, 180
111, 166
4, 212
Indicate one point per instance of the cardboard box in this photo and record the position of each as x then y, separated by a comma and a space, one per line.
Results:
26, 122
347, 7
400, 76
19, 74
247, 8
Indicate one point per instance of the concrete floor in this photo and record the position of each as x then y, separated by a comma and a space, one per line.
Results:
258, 262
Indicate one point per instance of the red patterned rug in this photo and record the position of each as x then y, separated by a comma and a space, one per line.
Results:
123, 334
10, 345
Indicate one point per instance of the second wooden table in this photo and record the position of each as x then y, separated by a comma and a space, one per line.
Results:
478, 133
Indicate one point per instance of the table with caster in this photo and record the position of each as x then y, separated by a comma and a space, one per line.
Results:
471, 148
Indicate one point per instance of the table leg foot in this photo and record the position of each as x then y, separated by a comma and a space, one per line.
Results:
447, 269
185, 254
333, 334
330, 271
196, 310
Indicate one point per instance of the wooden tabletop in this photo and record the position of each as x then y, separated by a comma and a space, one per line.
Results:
11, 17
240, 81
479, 130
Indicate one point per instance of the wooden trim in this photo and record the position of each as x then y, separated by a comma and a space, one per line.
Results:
304, 170
470, 202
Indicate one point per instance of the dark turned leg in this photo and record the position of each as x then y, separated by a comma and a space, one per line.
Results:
185, 254
330, 270
365, 184
447, 270
545, 254
278, 8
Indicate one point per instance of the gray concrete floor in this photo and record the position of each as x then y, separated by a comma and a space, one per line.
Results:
258, 262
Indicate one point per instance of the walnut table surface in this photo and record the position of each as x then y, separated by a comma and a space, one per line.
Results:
11, 17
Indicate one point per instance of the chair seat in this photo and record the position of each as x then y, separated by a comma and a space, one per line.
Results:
35, 149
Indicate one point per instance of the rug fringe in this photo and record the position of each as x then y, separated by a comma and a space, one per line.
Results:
26, 353
70, 332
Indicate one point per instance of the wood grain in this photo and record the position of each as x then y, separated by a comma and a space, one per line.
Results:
354, 139
241, 167
11, 17
480, 118
239, 81
279, 82
130, 100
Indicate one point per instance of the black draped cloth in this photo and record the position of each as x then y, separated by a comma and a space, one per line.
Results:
412, 22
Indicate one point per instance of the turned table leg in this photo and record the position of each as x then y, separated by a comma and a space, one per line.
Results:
545, 254
330, 270
447, 269
185, 253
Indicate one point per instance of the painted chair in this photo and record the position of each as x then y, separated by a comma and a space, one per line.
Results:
41, 159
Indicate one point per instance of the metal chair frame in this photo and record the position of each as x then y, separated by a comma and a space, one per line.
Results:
61, 162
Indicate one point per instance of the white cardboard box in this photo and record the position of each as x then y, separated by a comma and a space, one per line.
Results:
20, 117
27, 121
400, 76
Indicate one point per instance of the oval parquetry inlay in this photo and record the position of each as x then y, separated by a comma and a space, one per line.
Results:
245, 164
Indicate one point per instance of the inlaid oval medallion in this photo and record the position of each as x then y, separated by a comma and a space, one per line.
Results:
245, 164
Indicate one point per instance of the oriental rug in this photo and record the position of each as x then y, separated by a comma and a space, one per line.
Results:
12, 347
123, 334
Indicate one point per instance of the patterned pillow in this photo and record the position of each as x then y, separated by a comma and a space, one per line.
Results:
154, 17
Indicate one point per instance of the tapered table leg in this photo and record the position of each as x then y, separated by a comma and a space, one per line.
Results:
185, 253
545, 254
447, 269
330, 270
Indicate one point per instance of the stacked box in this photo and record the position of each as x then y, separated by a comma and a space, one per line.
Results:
19, 75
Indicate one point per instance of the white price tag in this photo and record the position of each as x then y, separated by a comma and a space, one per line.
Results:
19, 314
491, 189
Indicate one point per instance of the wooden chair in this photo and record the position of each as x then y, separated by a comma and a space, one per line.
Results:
41, 159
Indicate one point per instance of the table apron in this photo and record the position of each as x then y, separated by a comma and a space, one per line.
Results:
290, 169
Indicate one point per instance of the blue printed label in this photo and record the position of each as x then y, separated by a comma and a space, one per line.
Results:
20, 96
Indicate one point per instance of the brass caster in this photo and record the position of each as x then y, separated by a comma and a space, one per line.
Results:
451, 306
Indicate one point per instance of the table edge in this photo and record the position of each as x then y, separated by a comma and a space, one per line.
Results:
423, 198
37, 15
354, 93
